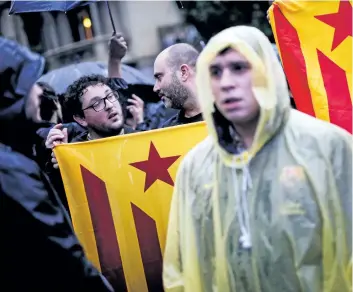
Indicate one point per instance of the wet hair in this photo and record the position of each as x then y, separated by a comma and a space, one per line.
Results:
48, 101
180, 54
224, 51
72, 98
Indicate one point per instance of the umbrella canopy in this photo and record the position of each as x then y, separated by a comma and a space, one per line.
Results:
61, 78
41, 6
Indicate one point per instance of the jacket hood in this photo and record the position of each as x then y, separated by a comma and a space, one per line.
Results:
19, 70
269, 87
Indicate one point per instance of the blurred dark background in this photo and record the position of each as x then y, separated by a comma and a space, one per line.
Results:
82, 34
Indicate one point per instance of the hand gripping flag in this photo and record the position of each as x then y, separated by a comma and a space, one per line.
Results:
314, 39
119, 191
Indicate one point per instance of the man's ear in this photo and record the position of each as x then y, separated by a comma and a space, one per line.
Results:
80, 120
185, 72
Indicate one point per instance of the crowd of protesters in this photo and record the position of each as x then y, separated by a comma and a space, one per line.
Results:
40, 239
34, 121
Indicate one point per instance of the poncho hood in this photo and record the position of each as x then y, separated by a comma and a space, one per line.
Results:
269, 87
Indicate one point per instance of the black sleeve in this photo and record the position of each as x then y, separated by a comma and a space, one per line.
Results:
16, 130
171, 122
143, 127
118, 84
39, 235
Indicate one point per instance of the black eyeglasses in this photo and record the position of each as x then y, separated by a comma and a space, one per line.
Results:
100, 105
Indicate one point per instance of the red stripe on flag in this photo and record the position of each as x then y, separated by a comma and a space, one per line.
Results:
150, 249
293, 62
337, 90
104, 230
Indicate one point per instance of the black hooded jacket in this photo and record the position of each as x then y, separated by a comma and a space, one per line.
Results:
40, 251
19, 68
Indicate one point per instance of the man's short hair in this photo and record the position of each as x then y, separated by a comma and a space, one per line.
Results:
225, 51
180, 54
72, 99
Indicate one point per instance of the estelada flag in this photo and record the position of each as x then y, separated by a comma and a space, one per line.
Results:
314, 39
119, 191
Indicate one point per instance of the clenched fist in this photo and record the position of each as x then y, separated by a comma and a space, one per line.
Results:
117, 47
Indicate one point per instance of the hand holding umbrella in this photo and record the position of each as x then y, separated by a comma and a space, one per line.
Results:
117, 47
117, 51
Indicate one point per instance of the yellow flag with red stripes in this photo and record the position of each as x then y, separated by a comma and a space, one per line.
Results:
314, 39
119, 191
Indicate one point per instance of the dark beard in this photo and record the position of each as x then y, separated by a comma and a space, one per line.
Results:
177, 93
105, 133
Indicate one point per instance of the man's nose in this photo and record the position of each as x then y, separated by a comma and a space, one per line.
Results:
156, 88
108, 105
227, 80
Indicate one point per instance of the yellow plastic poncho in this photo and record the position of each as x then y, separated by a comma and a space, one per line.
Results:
278, 217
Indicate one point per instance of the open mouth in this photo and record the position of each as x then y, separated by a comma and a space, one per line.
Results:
232, 103
112, 115
231, 100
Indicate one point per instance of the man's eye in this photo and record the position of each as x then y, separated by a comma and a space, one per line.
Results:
97, 103
239, 67
215, 72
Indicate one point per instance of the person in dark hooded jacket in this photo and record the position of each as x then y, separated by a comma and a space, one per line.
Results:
40, 251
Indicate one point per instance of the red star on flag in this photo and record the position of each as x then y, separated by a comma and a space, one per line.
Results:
156, 167
341, 21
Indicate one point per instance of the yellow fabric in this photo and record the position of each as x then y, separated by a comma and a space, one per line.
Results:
300, 196
315, 35
110, 160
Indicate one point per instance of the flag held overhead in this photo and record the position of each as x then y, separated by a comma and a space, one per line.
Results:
315, 44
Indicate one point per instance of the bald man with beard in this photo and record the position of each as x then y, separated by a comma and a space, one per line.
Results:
174, 71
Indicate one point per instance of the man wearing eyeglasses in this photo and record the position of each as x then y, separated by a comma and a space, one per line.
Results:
96, 107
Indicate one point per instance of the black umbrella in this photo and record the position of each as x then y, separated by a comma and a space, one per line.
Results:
41, 6
139, 84
20, 6
61, 78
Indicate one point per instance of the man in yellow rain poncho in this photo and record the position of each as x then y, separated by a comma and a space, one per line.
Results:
264, 203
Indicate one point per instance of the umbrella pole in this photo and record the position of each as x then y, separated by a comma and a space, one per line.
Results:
180, 4
111, 16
